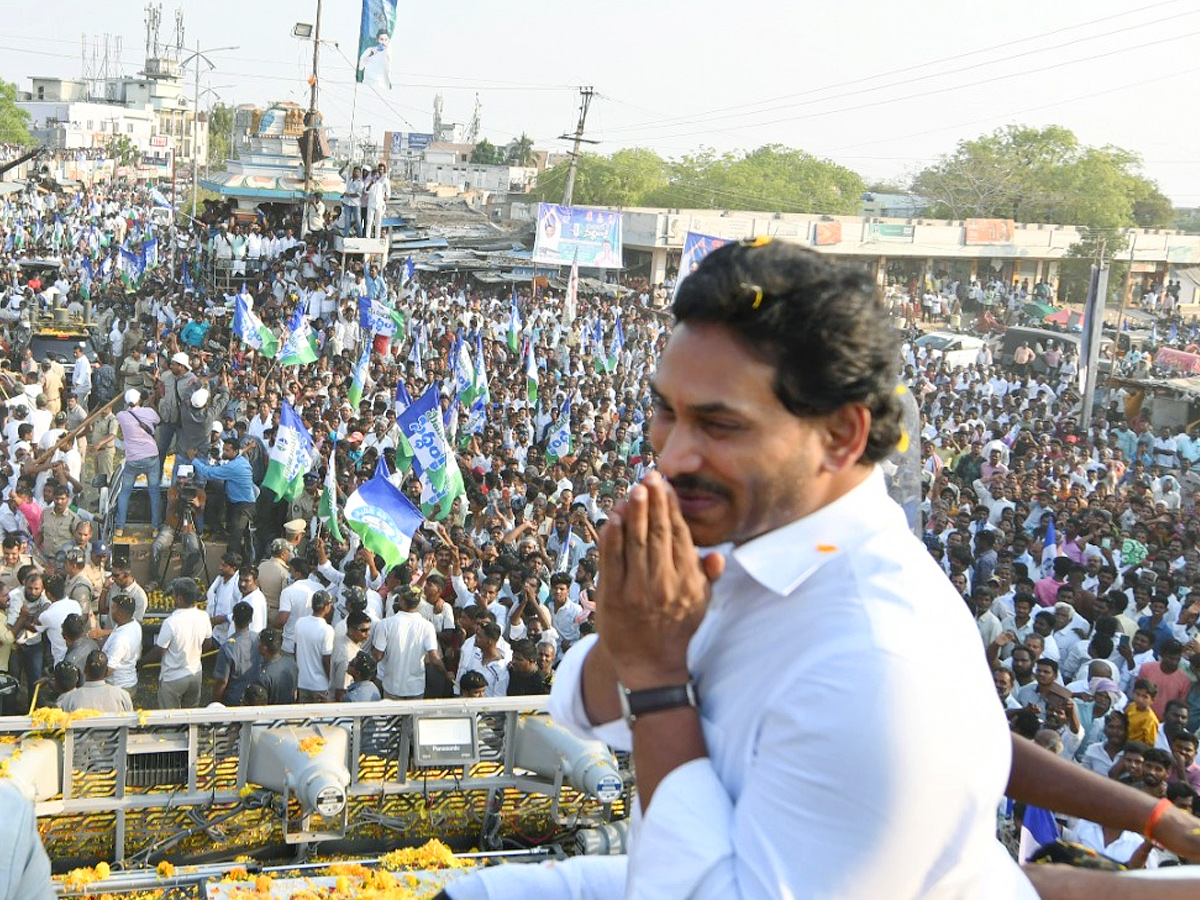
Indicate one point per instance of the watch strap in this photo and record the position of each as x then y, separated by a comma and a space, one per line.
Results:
650, 700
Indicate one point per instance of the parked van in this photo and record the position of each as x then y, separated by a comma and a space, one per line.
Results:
1039, 339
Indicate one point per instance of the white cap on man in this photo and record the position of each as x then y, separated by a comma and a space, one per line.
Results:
199, 398
182, 359
133, 397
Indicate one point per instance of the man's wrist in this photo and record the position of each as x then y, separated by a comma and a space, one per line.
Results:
651, 678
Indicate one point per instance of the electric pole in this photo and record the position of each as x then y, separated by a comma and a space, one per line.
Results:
585, 100
310, 125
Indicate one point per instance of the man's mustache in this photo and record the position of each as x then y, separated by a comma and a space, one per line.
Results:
692, 484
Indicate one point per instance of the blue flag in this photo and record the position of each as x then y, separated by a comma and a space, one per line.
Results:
1038, 828
403, 400
157, 198
383, 518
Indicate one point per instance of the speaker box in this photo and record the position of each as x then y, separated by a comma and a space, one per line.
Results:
320, 148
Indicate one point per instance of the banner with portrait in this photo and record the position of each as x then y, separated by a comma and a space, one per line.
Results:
375, 43
695, 248
565, 234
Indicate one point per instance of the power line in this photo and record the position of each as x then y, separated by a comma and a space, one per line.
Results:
939, 61
1088, 96
956, 87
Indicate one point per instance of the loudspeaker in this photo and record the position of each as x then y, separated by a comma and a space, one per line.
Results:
320, 149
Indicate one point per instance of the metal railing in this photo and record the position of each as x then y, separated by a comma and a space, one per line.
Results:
136, 788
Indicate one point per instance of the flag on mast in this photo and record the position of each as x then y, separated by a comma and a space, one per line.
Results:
291, 456
383, 518
250, 329
300, 348
531, 375
327, 508
375, 31
514, 325
559, 443
354, 395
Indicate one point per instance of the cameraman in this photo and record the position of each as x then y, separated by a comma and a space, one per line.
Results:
240, 492
180, 521
197, 416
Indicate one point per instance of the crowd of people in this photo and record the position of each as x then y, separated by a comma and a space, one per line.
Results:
1076, 548
491, 593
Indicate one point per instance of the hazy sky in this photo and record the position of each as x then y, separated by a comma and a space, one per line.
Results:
882, 87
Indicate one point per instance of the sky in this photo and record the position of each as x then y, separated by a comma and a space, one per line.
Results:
884, 88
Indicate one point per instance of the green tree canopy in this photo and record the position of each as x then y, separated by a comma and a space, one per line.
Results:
626, 178
122, 148
14, 121
773, 177
220, 134
1042, 175
487, 154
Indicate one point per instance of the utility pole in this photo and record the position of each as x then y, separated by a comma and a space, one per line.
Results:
310, 124
585, 100
197, 57
196, 131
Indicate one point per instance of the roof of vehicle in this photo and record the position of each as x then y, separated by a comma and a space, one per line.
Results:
949, 336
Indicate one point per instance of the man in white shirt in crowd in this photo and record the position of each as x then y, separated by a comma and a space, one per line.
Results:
403, 643
295, 601
314, 650
769, 428
223, 593
50, 622
185, 634
251, 594
123, 646
354, 637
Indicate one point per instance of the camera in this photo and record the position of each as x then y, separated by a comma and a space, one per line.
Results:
185, 482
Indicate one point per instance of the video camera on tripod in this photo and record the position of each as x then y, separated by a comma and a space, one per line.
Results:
187, 495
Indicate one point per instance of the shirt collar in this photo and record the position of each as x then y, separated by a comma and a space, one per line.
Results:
783, 559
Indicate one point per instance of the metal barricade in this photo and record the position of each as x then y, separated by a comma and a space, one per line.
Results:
136, 787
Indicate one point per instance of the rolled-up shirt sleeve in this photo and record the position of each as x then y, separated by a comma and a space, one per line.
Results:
566, 701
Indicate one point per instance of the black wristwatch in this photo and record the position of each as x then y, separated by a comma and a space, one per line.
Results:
635, 704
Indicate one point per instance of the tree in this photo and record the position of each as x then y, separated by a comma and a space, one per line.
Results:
1186, 220
487, 154
122, 148
220, 134
626, 178
773, 177
14, 121
1042, 175
520, 151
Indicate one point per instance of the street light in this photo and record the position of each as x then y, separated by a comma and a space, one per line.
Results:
197, 56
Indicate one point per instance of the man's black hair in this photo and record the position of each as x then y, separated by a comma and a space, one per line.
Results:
243, 614
820, 323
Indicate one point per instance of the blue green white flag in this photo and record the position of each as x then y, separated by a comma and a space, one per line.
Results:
558, 443
531, 375
249, 329
383, 518
327, 507
433, 457
291, 457
300, 347
354, 395
514, 325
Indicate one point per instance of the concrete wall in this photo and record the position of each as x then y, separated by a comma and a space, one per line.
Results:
653, 229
